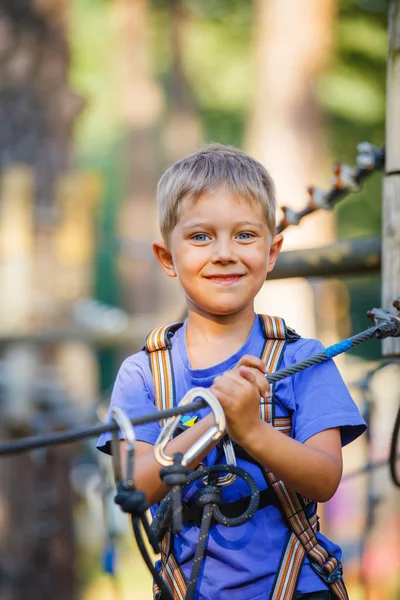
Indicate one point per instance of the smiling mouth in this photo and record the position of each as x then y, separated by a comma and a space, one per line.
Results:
226, 279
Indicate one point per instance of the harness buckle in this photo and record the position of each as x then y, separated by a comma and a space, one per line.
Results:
328, 578
213, 434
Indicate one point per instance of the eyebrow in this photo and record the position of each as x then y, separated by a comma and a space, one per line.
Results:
194, 224
251, 222
247, 222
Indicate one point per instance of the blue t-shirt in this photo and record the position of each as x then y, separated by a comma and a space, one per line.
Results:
241, 562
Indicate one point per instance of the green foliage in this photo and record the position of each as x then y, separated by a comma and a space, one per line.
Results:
217, 61
91, 44
352, 93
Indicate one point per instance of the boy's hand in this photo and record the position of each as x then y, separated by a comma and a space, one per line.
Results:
238, 392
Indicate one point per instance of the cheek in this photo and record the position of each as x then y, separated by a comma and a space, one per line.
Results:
190, 261
257, 259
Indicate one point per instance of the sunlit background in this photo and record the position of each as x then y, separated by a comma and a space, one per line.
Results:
97, 98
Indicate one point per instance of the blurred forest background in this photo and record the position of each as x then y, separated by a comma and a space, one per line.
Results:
97, 98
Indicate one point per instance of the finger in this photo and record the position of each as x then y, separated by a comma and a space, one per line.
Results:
220, 395
235, 377
247, 373
256, 378
222, 386
252, 361
225, 385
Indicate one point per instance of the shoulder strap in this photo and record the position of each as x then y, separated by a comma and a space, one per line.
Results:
158, 346
276, 337
302, 539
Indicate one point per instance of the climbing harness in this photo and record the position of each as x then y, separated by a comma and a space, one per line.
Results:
302, 541
208, 501
302, 524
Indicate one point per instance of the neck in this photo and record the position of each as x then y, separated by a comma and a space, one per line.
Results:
205, 327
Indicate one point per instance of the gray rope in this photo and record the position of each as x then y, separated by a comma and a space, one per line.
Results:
330, 352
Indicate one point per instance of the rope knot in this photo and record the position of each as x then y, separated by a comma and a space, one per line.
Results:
131, 501
211, 494
175, 474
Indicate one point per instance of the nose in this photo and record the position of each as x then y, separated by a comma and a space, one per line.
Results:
223, 251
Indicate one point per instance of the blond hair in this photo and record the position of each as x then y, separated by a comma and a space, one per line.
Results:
214, 166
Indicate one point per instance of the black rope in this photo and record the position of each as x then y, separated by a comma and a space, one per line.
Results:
166, 594
81, 433
208, 498
394, 457
175, 476
206, 522
134, 502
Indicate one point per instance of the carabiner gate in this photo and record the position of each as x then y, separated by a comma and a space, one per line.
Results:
213, 434
126, 427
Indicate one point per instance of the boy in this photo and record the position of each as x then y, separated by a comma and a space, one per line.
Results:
217, 219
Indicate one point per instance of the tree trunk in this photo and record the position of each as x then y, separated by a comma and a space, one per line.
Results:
140, 103
37, 108
37, 112
149, 149
182, 134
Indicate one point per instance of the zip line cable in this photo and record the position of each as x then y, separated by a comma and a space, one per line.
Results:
387, 324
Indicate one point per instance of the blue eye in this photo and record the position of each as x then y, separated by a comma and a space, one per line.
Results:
200, 237
245, 235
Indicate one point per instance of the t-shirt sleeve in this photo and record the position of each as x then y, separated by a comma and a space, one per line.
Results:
133, 395
322, 400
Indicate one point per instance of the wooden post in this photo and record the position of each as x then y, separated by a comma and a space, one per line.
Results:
391, 183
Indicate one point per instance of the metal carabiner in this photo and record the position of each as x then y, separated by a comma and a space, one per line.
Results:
126, 427
213, 434
230, 458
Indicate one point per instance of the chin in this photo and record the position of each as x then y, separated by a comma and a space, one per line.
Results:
222, 311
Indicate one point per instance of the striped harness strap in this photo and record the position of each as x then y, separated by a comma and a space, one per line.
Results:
158, 347
302, 540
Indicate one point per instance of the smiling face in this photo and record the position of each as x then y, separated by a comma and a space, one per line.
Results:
220, 250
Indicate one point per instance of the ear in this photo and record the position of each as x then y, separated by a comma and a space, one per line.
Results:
164, 257
274, 250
